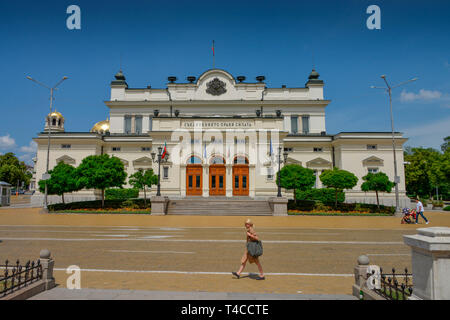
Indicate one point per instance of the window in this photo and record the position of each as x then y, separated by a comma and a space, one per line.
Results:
166, 172
294, 124
372, 170
270, 173
194, 160
127, 124
66, 146
138, 124
150, 123
305, 124
145, 149
371, 147
115, 148
318, 149
288, 149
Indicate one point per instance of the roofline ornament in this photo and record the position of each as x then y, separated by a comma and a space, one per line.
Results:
216, 87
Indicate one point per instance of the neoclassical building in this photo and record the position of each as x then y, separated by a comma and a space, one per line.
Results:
222, 135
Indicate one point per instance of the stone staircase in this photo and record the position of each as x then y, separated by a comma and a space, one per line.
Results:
215, 206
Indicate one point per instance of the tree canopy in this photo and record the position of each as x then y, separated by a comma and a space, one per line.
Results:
143, 179
378, 182
339, 180
101, 172
296, 177
12, 170
426, 170
63, 179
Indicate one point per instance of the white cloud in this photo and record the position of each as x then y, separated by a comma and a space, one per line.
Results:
428, 135
31, 148
7, 142
423, 95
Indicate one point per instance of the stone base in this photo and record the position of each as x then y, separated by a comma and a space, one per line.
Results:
159, 205
278, 206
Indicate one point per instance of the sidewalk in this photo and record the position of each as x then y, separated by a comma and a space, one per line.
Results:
102, 294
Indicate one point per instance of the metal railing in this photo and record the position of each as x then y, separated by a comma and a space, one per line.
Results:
395, 286
17, 276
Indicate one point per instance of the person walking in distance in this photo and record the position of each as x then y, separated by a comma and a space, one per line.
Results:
419, 211
251, 236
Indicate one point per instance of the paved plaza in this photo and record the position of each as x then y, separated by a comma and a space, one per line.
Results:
302, 255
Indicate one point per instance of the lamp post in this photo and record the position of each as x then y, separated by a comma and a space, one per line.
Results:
49, 129
159, 160
285, 155
388, 89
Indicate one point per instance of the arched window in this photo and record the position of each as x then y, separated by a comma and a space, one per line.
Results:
240, 160
59, 123
217, 160
194, 160
54, 121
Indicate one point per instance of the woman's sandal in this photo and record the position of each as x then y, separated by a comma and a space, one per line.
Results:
235, 274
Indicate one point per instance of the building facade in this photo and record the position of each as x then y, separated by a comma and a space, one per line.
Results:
223, 136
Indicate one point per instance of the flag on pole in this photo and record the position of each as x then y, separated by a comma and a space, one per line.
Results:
271, 150
165, 151
213, 48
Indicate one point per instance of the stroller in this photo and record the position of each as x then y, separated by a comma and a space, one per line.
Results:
409, 216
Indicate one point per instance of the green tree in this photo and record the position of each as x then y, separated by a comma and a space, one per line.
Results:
445, 146
339, 180
13, 171
142, 179
101, 172
418, 168
63, 179
378, 182
296, 177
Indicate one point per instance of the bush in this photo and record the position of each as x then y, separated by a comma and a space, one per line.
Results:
447, 208
311, 205
323, 195
438, 203
120, 194
97, 204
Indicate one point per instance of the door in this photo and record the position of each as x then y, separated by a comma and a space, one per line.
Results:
217, 185
240, 180
194, 180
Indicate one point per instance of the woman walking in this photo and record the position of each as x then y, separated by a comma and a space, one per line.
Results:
251, 236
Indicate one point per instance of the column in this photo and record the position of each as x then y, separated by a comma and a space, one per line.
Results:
205, 179
229, 180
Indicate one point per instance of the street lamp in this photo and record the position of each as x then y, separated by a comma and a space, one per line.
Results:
46, 175
389, 91
159, 160
285, 155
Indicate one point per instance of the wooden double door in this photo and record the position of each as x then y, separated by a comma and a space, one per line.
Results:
217, 180
240, 180
194, 181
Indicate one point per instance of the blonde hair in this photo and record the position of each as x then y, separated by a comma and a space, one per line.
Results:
248, 221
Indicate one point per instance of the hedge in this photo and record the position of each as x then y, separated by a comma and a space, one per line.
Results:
323, 195
115, 194
311, 205
447, 208
97, 204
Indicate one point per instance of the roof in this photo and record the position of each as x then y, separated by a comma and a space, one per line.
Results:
3, 183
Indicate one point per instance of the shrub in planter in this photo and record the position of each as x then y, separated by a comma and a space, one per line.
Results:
112, 194
447, 208
302, 205
324, 195
438, 204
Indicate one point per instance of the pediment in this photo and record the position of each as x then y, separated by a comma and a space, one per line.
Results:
318, 162
293, 161
66, 159
373, 160
143, 161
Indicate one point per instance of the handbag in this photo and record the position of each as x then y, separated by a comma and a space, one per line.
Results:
255, 248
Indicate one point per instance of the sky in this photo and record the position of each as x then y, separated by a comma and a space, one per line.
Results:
281, 40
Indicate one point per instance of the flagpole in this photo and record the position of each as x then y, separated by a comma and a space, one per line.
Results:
214, 56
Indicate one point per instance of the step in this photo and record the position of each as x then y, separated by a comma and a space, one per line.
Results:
219, 206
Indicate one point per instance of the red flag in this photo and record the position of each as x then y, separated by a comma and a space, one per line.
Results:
213, 47
165, 151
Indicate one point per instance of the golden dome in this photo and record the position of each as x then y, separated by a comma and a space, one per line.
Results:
56, 114
101, 127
